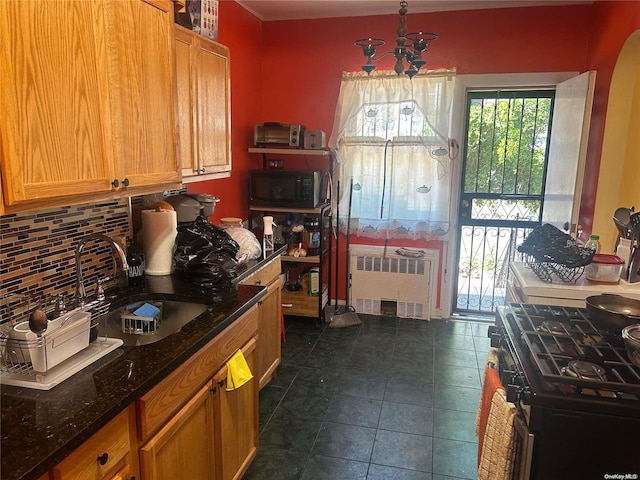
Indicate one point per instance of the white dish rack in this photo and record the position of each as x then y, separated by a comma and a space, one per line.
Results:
42, 362
65, 336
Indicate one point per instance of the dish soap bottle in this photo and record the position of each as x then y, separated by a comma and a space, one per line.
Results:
593, 244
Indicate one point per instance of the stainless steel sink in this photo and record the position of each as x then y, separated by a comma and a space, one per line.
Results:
143, 322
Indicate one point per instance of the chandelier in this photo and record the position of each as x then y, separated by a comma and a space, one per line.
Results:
409, 47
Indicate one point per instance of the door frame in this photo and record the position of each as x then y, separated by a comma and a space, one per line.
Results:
463, 84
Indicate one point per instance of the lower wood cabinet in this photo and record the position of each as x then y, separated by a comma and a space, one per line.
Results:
107, 455
214, 436
184, 447
235, 421
268, 350
188, 426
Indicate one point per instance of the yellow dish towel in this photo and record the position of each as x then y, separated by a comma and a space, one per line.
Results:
238, 372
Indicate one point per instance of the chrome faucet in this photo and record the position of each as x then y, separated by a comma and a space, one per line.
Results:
81, 293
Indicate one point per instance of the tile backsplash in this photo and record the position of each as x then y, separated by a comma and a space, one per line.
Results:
37, 251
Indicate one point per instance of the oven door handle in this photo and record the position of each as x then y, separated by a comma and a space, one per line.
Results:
527, 448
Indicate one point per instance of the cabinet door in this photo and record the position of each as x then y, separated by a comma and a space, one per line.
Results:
204, 106
268, 348
236, 421
122, 474
186, 109
98, 457
213, 107
183, 448
141, 69
54, 100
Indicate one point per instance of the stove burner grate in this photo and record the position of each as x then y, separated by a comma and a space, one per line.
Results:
585, 370
568, 348
552, 326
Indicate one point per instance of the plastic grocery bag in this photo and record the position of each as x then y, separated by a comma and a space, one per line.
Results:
250, 247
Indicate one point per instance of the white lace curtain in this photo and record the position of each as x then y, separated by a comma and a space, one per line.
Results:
391, 136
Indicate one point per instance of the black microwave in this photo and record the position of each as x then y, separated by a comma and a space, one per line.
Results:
282, 188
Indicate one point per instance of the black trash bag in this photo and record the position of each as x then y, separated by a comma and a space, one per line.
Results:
205, 254
548, 243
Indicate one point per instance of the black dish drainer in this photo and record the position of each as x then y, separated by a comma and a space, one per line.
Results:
549, 252
545, 270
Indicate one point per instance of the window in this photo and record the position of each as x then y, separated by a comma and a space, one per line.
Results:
391, 136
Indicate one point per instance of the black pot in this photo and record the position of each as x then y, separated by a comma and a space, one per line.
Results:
613, 311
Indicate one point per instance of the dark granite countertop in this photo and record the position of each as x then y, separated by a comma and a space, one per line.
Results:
40, 428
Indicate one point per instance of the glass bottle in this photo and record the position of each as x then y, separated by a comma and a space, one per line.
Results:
267, 236
593, 243
135, 259
312, 234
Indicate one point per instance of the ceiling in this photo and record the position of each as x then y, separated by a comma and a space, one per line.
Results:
268, 10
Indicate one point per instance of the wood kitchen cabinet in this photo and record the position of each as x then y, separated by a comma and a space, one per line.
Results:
214, 436
189, 426
268, 350
235, 421
184, 447
107, 455
88, 102
204, 106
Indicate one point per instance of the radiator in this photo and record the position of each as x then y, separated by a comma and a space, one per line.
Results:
393, 283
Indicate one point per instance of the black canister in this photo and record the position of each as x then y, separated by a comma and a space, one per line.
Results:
135, 259
312, 234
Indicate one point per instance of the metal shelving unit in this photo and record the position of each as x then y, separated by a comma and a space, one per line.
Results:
300, 303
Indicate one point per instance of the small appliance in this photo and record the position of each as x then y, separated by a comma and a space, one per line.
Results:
282, 188
188, 206
271, 134
315, 140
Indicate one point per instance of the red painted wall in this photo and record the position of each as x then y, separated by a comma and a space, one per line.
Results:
290, 71
304, 60
241, 31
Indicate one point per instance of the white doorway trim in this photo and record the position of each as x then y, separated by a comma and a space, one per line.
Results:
465, 83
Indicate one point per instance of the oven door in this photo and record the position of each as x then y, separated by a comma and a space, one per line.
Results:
517, 391
524, 450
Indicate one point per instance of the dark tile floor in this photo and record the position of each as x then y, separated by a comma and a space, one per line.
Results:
389, 399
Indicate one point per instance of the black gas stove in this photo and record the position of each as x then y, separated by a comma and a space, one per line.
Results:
577, 392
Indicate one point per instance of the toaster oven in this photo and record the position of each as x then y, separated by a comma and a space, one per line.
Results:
272, 134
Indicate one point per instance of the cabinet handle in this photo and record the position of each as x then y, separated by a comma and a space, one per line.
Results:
103, 459
220, 383
214, 390
115, 183
201, 171
125, 182
259, 282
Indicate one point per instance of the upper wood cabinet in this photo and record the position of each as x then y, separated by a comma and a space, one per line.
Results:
204, 106
87, 97
143, 100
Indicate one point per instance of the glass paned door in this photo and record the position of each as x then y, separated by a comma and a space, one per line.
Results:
502, 191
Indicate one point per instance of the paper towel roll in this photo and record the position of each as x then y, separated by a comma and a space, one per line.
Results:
159, 236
